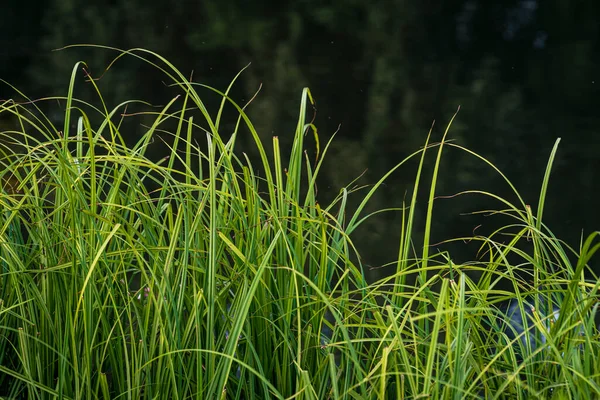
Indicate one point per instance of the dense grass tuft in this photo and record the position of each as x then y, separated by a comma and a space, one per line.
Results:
206, 274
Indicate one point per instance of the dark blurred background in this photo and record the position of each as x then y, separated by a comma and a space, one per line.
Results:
524, 73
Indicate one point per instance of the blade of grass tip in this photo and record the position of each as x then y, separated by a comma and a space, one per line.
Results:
295, 165
91, 155
354, 221
402, 258
230, 144
140, 147
489, 163
258, 142
69, 99
429, 215
281, 209
533, 235
180, 121
181, 82
146, 139
226, 96
406, 236
230, 190
422, 277
45, 124
280, 206
337, 235
111, 145
540, 210
316, 228
311, 196
537, 245
107, 116
188, 153
176, 76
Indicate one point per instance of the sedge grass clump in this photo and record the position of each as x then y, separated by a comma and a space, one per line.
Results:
194, 276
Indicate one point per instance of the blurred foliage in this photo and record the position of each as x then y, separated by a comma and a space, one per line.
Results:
521, 70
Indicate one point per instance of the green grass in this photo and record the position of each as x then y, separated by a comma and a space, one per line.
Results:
207, 275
